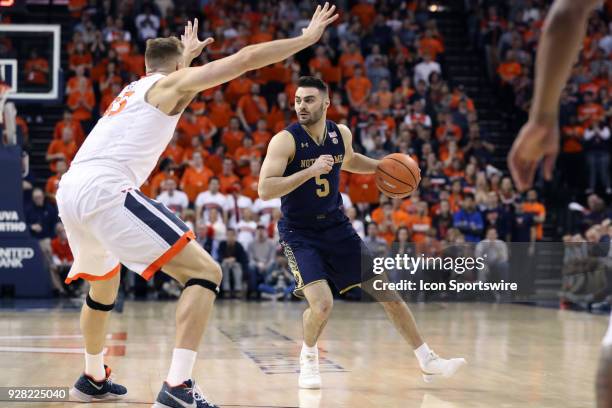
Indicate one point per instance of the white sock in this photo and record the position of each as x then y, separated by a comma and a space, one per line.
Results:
94, 366
310, 350
181, 367
422, 353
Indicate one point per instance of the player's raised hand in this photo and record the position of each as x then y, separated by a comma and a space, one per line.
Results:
535, 142
193, 46
322, 17
322, 165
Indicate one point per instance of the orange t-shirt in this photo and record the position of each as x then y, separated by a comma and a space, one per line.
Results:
365, 13
220, 113
536, 209
237, 88
77, 131
194, 181
589, 112
362, 188
509, 70
175, 153
51, 185
571, 143
189, 151
261, 139
233, 140
416, 223
359, 89
348, 62
61, 249
290, 89
384, 100
34, 71
249, 186
157, 180
58, 146
79, 59
226, 182
454, 130
399, 217
250, 108
79, 111
431, 46
317, 64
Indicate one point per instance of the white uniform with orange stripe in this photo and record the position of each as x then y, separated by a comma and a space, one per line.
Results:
108, 220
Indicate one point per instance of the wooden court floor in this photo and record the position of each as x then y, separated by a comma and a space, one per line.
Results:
518, 356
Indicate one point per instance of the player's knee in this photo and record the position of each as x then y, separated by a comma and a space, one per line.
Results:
104, 292
206, 269
322, 307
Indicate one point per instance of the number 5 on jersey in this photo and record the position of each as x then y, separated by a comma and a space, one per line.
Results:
118, 104
323, 190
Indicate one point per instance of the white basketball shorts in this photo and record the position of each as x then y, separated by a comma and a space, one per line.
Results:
109, 222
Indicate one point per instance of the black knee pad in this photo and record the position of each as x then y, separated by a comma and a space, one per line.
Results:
205, 283
98, 306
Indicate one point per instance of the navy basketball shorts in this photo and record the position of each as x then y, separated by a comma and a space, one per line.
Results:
324, 252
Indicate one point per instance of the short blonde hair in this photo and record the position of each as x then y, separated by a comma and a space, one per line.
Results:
162, 51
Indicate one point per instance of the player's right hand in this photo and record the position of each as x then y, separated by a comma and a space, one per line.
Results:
322, 165
534, 143
321, 18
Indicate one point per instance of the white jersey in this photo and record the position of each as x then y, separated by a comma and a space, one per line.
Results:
132, 134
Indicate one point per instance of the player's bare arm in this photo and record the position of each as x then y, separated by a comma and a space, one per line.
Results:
355, 162
187, 81
538, 139
281, 150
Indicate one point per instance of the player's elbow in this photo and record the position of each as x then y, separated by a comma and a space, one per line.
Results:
262, 191
244, 60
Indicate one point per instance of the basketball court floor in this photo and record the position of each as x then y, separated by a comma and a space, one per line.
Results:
518, 356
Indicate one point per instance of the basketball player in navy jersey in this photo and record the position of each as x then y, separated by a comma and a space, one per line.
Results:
302, 166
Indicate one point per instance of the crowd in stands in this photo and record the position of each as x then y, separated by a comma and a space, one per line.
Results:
385, 68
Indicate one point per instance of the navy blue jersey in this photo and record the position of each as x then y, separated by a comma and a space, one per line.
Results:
318, 196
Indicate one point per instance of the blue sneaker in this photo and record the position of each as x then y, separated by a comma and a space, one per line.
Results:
185, 395
86, 389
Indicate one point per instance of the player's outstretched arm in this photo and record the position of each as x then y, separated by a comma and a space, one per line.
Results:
560, 42
197, 79
355, 162
281, 150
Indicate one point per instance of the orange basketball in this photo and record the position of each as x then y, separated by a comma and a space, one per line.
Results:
397, 175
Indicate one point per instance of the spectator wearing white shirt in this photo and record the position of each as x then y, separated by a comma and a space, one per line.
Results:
265, 209
246, 227
423, 69
172, 198
209, 199
351, 213
236, 203
417, 116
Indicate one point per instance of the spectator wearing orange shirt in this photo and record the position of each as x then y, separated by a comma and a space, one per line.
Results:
73, 83
109, 78
220, 112
262, 35
419, 223
80, 57
250, 182
36, 69
53, 181
109, 97
244, 154
174, 150
448, 130
196, 177
232, 137
227, 179
350, 59
385, 97
251, 107
237, 88
82, 102
431, 45
537, 210
365, 12
281, 112
70, 122
320, 61
64, 149
337, 112
358, 89
261, 136
510, 69
167, 170
62, 258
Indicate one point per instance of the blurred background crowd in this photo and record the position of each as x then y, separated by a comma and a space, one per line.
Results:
389, 74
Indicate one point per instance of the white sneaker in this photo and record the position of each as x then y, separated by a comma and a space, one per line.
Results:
309, 371
436, 367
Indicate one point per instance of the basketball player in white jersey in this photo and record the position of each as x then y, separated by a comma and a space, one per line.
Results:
109, 221
538, 139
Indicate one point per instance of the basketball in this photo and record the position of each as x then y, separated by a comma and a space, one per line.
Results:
397, 175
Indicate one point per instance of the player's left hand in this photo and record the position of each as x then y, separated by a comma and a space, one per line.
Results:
193, 46
535, 142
